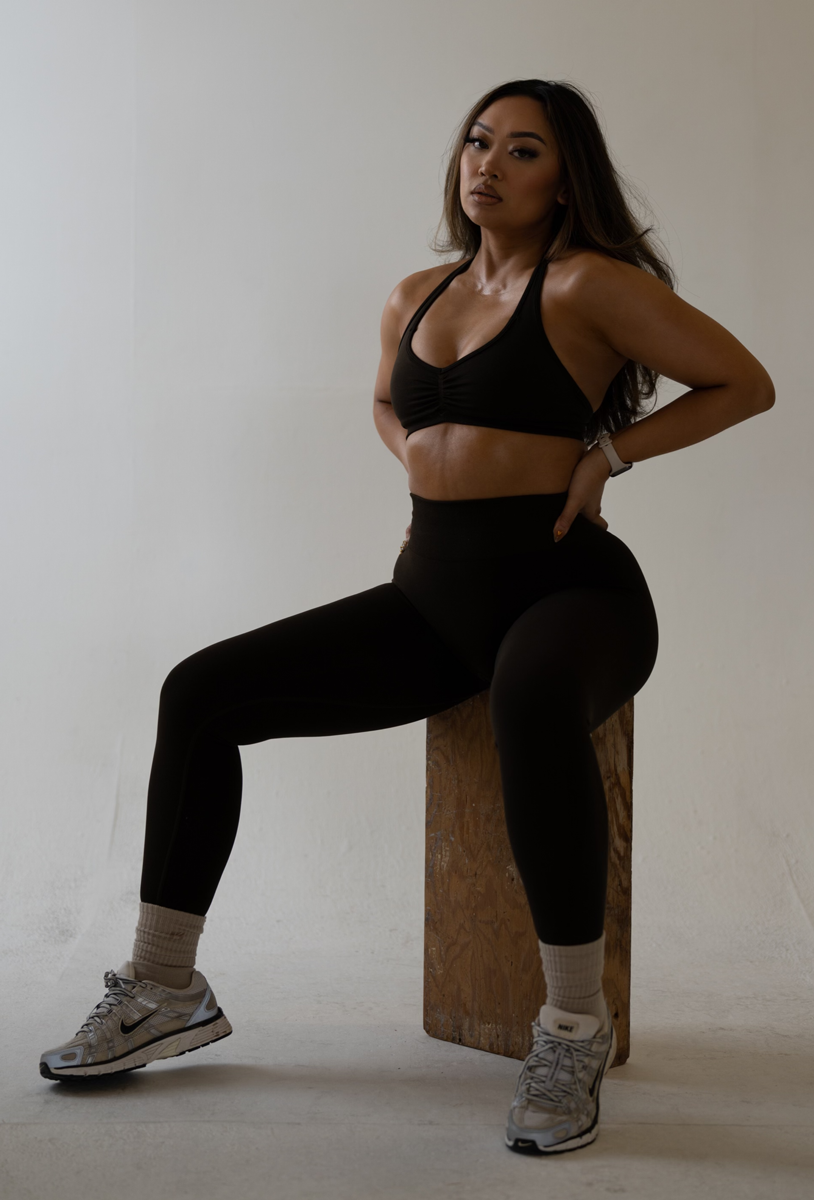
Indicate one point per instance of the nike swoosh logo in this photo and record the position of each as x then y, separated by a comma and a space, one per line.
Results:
597, 1077
128, 1029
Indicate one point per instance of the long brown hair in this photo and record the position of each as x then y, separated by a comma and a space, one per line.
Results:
599, 216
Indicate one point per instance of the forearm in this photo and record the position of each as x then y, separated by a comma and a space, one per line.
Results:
691, 418
391, 430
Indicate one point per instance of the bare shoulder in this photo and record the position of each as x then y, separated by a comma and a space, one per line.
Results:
413, 290
588, 277
605, 298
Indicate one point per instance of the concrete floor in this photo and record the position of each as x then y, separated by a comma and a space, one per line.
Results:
329, 1088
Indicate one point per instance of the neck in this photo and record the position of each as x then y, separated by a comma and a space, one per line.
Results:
504, 260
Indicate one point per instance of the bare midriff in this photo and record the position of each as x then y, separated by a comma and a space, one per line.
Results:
471, 462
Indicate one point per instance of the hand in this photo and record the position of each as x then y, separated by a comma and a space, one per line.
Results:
585, 492
407, 531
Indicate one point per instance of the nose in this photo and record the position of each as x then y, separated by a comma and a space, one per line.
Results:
486, 169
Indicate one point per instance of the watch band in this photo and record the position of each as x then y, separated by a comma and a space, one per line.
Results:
617, 466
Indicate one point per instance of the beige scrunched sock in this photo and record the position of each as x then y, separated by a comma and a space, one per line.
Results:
165, 945
573, 976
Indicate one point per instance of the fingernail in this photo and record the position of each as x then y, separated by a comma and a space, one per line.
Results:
558, 533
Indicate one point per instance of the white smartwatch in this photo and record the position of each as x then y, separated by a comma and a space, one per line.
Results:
617, 466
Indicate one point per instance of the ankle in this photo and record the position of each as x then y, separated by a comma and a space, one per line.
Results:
573, 976
176, 978
166, 945
593, 1006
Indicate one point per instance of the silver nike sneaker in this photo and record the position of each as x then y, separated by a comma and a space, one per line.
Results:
137, 1023
556, 1104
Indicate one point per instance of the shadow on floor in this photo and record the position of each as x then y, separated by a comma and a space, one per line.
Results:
332, 1085
779, 1066
753, 1149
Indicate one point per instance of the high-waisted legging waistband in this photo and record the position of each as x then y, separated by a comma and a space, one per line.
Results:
491, 525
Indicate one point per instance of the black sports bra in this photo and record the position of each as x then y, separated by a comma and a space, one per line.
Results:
514, 381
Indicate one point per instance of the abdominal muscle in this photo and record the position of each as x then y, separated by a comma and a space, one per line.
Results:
472, 462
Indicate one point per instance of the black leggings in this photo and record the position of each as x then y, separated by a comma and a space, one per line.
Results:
562, 633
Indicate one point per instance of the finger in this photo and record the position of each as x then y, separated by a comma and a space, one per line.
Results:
563, 522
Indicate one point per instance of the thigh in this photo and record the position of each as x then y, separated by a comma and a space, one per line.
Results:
366, 661
583, 649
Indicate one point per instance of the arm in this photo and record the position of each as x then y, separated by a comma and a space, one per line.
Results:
389, 427
644, 320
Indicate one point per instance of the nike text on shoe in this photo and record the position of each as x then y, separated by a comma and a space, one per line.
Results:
136, 1023
556, 1104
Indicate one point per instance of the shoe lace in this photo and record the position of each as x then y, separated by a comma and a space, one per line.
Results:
555, 1069
118, 989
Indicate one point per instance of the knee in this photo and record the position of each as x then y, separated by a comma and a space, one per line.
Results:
184, 690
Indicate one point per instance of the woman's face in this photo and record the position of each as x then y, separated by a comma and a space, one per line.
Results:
512, 153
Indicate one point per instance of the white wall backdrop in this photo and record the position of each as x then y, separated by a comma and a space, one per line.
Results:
204, 207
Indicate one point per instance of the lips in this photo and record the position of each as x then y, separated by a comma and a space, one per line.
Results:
483, 189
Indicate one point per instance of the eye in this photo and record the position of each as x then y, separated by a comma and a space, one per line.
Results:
522, 152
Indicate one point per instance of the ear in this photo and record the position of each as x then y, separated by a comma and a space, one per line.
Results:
563, 195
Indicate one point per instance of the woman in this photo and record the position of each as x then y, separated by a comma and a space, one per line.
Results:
497, 373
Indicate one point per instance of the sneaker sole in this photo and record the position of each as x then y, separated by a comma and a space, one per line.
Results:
526, 1145
171, 1045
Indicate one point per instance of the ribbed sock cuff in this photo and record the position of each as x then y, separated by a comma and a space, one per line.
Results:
166, 936
573, 976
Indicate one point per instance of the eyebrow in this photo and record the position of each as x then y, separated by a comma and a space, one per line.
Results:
516, 133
